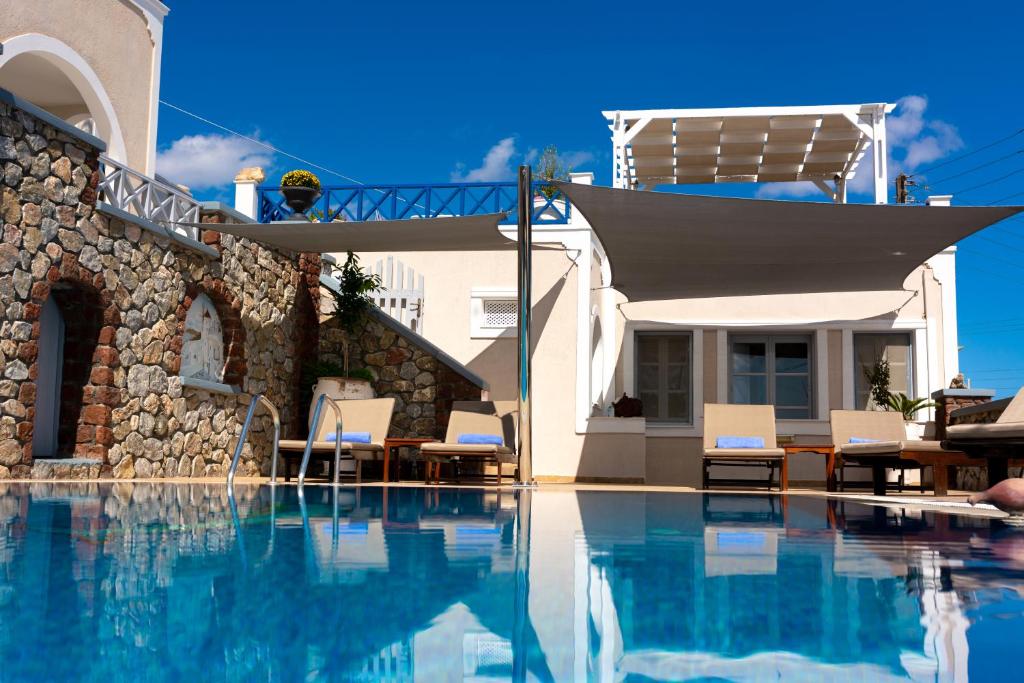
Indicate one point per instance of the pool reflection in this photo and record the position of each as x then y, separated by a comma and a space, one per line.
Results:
119, 582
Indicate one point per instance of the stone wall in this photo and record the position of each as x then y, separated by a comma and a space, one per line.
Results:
977, 409
124, 288
949, 400
405, 367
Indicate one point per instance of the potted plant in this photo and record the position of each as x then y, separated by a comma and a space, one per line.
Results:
301, 189
352, 300
550, 167
902, 403
878, 378
328, 377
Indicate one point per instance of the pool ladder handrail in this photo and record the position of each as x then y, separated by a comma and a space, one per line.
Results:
257, 400
315, 428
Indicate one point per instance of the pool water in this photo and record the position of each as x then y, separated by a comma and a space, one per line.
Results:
160, 582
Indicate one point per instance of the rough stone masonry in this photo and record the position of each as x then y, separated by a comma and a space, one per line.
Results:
123, 292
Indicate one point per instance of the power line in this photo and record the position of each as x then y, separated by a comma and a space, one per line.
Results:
259, 142
994, 258
976, 168
988, 182
1004, 245
972, 153
1003, 199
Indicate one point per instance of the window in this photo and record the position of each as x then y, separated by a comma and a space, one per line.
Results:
893, 347
202, 350
663, 376
772, 369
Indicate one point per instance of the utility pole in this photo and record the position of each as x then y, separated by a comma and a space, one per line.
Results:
901, 188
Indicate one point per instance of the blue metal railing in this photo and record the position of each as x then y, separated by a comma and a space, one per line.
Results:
399, 202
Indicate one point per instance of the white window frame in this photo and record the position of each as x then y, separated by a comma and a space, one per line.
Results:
637, 334
667, 429
770, 339
912, 387
478, 327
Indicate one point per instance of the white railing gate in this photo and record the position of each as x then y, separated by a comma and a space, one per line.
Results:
402, 293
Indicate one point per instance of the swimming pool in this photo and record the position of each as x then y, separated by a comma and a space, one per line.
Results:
161, 582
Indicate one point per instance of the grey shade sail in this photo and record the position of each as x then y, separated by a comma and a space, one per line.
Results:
672, 246
446, 233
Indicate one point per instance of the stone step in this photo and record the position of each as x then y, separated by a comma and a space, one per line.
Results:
66, 468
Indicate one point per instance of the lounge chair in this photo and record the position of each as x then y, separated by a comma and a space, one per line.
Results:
724, 422
371, 415
997, 441
875, 439
474, 417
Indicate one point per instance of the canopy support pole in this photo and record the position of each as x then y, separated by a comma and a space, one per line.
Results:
524, 473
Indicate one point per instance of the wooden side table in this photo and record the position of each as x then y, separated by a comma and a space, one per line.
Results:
396, 443
828, 450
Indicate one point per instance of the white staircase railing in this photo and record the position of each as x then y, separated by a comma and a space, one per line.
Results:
148, 198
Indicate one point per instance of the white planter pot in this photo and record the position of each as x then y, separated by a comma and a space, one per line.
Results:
915, 431
340, 389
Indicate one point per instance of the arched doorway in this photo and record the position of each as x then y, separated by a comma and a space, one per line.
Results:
51, 75
69, 329
46, 426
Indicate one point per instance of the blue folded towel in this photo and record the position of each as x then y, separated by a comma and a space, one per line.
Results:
351, 437
857, 439
739, 442
482, 439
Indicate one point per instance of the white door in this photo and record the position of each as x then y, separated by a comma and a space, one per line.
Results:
51, 363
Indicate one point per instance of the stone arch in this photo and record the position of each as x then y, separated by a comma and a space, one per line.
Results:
229, 309
88, 359
75, 69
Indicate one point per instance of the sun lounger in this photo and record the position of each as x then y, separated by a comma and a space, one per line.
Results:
371, 415
474, 418
746, 425
875, 439
997, 441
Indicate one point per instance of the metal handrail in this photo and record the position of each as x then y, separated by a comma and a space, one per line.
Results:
314, 428
257, 400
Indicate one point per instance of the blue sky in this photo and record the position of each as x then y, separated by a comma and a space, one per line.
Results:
431, 92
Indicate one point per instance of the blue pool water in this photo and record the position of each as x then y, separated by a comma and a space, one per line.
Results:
159, 582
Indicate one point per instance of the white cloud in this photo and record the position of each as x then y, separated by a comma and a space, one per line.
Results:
575, 160
913, 140
207, 161
804, 188
500, 161
497, 165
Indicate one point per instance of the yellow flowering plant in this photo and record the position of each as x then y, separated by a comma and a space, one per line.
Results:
300, 178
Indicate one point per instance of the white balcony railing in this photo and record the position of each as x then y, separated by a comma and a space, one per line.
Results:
148, 198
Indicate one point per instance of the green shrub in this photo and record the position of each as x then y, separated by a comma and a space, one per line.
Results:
902, 403
300, 178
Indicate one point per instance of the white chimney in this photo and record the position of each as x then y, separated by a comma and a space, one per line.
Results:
246, 199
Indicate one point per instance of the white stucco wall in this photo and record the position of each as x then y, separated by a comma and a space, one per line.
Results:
110, 49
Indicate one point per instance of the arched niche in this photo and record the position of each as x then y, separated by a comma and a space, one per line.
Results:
202, 344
